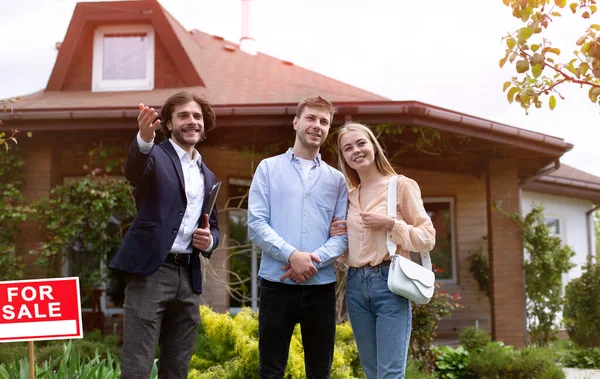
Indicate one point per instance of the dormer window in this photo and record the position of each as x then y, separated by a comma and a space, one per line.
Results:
123, 58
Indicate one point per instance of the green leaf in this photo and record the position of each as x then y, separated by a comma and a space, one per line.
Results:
569, 66
522, 66
510, 96
525, 33
584, 67
502, 62
506, 85
510, 42
535, 47
536, 70
552, 102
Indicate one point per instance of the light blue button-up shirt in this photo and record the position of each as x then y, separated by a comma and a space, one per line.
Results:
285, 213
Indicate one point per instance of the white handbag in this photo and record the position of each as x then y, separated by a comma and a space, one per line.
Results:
407, 278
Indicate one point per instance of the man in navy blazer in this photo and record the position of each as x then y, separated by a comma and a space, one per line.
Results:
160, 251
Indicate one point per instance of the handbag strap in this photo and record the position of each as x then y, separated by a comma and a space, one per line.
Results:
391, 210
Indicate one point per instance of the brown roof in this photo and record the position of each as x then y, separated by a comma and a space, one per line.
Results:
568, 176
571, 173
223, 73
567, 181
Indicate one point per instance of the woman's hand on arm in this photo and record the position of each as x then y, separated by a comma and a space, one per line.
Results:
375, 220
337, 228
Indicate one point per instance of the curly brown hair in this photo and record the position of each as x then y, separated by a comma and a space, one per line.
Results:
184, 97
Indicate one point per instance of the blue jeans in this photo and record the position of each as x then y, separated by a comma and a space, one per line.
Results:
381, 322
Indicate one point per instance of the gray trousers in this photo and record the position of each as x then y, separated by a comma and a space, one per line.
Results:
161, 309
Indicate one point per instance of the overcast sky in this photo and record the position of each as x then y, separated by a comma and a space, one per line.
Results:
439, 52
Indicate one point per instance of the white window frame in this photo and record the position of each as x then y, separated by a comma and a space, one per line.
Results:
561, 225
451, 201
99, 84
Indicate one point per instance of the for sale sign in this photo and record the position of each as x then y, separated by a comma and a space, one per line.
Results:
41, 309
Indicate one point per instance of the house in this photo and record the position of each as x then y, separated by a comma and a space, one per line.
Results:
569, 197
463, 163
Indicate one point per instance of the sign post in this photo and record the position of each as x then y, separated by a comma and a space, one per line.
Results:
40, 309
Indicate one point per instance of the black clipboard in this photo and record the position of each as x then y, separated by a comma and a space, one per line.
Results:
209, 204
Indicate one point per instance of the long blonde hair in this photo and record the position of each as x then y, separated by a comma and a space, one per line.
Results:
381, 162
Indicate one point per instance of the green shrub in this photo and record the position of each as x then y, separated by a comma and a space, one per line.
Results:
227, 347
582, 306
69, 364
453, 363
414, 371
49, 350
480, 269
583, 358
473, 338
549, 259
425, 319
496, 361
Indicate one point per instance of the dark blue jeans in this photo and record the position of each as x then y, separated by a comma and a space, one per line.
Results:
282, 306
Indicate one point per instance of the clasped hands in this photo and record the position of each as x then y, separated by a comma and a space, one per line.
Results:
301, 266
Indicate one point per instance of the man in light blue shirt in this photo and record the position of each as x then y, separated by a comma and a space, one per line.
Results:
293, 200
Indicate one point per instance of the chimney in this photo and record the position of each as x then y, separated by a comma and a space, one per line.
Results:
247, 42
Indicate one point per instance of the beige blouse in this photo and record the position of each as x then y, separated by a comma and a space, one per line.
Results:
413, 229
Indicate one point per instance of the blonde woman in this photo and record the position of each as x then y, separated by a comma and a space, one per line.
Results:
380, 319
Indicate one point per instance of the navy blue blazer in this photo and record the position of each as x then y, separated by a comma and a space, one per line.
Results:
160, 200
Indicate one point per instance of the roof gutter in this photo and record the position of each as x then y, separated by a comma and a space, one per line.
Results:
450, 121
544, 171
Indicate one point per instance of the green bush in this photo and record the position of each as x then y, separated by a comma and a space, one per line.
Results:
425, 319
48, 350
70, 363
12, 213
227, 347
474, 338
497, 361
414, 371
582, 306
583, 358
453, 363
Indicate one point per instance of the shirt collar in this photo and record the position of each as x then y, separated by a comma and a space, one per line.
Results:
291, 156
182, 154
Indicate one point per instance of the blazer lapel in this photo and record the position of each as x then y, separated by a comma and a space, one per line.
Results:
166, 145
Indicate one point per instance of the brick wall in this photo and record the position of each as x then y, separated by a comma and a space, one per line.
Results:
39, 176
471, 225
506, 254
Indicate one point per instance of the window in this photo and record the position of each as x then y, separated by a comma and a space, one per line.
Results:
244, 258
123, 58
443, 255
553, 225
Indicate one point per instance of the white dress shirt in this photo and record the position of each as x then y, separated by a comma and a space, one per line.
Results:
194, 192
